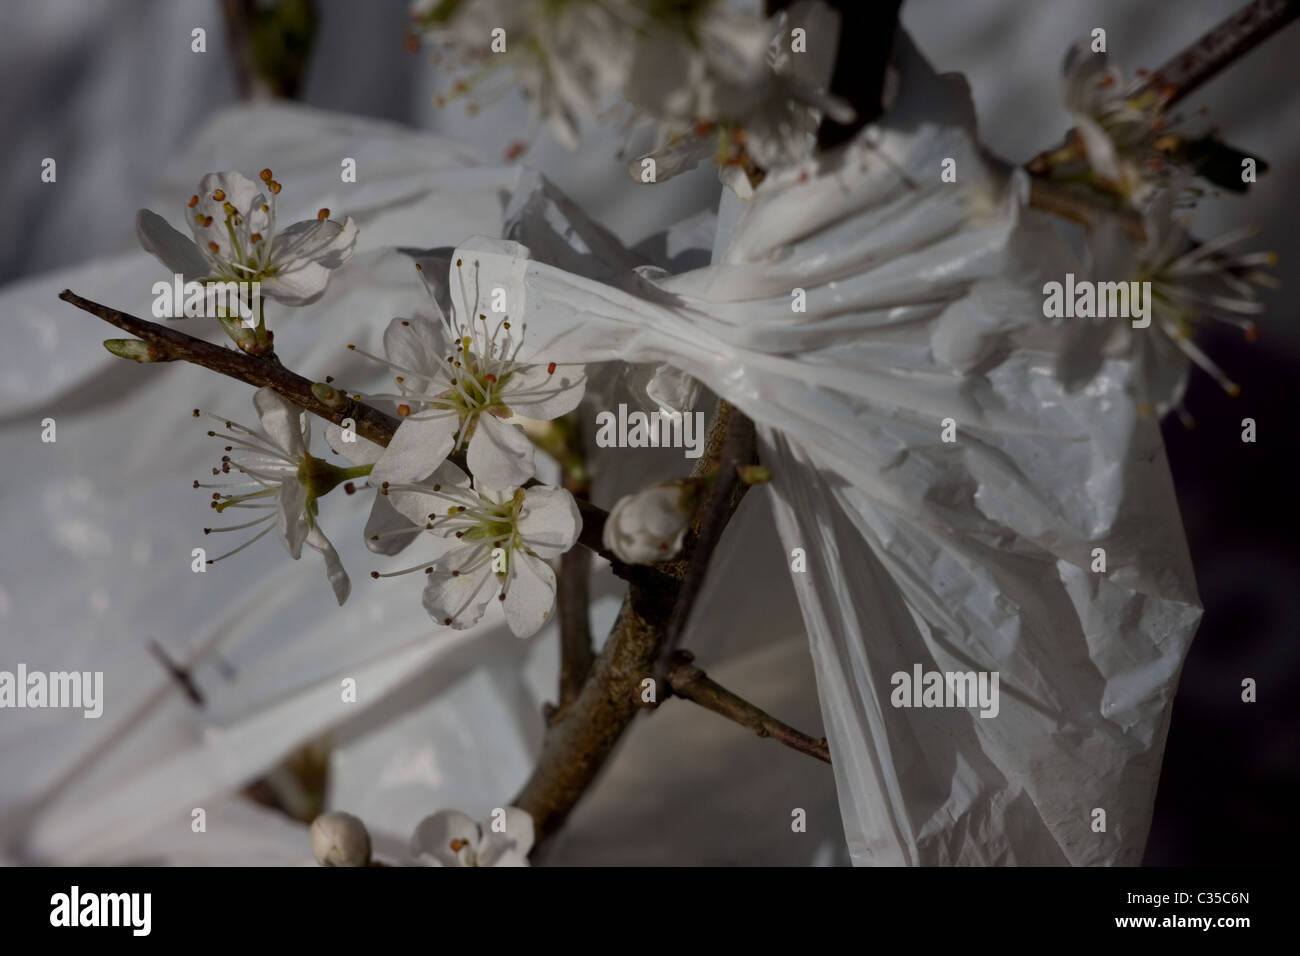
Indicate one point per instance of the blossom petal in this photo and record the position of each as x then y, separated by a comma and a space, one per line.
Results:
417, 349
419, 445
416, 506
339, 580
680, 152
388, 531
549, 521
359, 451
169, 246
455, 596
303, 256
288, 426
536, 392
323, 241
511, 847
237, 190
302, 285
530, 593
500, 454
431, 842
291, 518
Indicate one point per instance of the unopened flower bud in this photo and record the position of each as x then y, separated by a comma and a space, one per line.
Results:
649, 526
135, 349
340, 839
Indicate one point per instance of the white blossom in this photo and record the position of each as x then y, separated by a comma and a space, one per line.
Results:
460, 385
1118, 121
282, 479
236, 239
692, 69
489, 543
1191, 283
740, 94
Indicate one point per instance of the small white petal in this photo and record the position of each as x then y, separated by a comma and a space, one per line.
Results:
301, 285
418, 349
420, 444
534, 392
359, 451
291, 519
500, 454
549, 521
322, 241
287, 425
385, 522
416, 506
455, 598
173, 249
242, 193
338, 577
530, 593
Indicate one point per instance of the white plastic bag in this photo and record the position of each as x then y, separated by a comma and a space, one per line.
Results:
923, 317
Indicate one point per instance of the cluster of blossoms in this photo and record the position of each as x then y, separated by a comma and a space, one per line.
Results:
460, 389
711, 80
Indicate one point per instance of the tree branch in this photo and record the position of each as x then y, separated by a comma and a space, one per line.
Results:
734, 431
319, 398
1193, 66
690, 683
581, 739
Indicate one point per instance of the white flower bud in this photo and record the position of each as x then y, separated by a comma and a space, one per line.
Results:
649, 526
340, 839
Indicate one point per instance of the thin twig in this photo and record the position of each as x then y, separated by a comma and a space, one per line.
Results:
690, 683
580, 740
1195, 64
1219, 48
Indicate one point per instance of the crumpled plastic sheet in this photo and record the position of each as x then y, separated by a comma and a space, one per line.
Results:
924, 304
